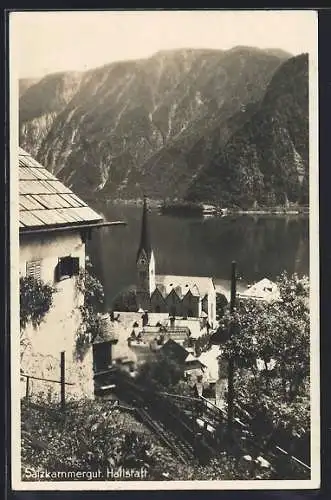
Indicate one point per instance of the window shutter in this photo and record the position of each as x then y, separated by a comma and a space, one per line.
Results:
33, 268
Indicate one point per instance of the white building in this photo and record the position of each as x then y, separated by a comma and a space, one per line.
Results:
54, 225
264, 289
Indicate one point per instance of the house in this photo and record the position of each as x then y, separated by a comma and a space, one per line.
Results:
185, 296
192, 367
54, 225
264, 289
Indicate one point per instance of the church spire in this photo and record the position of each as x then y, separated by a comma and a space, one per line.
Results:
145, 242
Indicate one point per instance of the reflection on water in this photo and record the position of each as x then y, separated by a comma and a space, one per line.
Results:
263, 246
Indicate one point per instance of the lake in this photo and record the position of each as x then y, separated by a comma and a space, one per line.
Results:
263, 246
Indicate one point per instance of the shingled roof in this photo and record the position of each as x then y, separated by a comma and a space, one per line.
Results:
44, 201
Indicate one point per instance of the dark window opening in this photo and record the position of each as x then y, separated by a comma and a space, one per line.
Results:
190, 313
67, 267
157, 309
102, 356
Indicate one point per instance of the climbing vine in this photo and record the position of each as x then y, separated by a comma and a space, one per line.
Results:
92, 289
36, 299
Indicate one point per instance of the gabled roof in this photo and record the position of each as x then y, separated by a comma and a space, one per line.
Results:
46, 202
159, 291
198, 285
264, 290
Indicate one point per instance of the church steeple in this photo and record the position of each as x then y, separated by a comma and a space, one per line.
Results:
145, 240
145, 263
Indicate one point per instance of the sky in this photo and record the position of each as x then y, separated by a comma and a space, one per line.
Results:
47, 42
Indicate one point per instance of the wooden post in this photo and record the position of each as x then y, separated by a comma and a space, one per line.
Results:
63, 393
231, 361
27, 388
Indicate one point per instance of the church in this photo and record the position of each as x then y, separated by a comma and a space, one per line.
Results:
181, 296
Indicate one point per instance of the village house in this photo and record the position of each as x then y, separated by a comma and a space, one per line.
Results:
193, 368
265, 290
54, 225
179, 296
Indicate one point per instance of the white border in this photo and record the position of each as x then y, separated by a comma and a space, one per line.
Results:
314, 482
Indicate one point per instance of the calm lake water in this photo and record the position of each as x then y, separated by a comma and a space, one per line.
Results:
263, 246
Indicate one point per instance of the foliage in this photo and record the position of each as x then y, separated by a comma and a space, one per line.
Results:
202, 343
126, 301
92, 289
278, 335
89, 328
96, 436
221, 303
36, 299
161, 372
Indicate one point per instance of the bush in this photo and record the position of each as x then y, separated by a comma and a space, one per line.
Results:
95, 436
36, 299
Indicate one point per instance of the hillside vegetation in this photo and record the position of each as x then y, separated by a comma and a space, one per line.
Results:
223, 126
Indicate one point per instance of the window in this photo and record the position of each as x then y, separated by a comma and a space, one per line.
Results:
157, 309
33, 268
190, 313
67, 267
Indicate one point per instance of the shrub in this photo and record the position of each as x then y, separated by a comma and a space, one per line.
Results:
36, 299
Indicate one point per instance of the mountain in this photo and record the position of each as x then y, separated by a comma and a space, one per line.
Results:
152, 125
266, 160
40, 104
25, 83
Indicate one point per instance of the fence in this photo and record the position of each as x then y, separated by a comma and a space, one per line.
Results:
62, 382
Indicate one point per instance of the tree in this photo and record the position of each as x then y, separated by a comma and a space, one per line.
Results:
163, 373
277, 335
126, 301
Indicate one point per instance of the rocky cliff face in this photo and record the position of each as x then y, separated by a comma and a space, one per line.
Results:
266, 160
157, 125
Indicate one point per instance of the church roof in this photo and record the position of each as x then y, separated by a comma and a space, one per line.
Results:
145, 240
198, 285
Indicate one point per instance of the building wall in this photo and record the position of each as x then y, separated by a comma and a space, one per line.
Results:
190, 306
212, 306
174, 304
40, 355
158, 303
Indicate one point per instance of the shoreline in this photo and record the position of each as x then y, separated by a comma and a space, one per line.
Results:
177, 208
